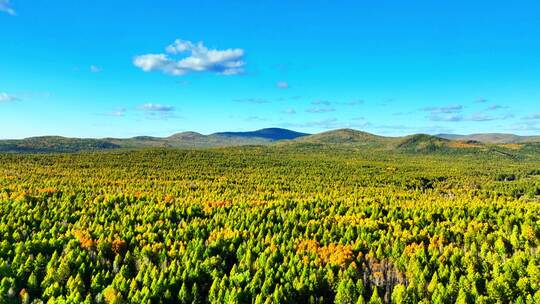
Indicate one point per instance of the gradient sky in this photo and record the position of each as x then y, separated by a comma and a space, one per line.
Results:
124, 68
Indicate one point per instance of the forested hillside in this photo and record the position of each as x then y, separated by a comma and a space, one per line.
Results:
340, 138
285, 224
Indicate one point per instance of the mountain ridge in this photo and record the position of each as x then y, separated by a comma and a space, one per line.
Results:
267, 133
346, 138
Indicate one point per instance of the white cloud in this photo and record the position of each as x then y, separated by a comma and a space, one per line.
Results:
120, 112
445, 110
155, 107
320, 110
354, 102
158, 111
533, 116
200, 59
289, 111
5, 97
484, 117
529, 126
282, 85
478, 117
321, 102
95, 69
255, 118
446, 117
5, 7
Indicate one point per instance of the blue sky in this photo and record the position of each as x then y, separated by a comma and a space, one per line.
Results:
124, 68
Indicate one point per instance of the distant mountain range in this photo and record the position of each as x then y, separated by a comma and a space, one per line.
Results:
273, 136
492, 138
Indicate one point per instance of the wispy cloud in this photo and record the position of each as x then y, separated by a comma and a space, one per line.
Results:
155, 107
289, 111
329, 123
532, 116
252, 100
402, 113
321, 102
445, 109
481, 100
527, 126
447, 117
282, 85
485, 117
5, 97
95, 69
444, 113
120, 112
478, 117
320, 110
158, 111
255, 118
354, 102
5, 6
496, 107
198, 59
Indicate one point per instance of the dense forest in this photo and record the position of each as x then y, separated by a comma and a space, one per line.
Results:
269, 225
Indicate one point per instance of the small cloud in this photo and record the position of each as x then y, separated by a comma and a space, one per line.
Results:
199, 59
529, 126
95, 69
496, 107
321, 102
157, 111
5, 6
478, 117
330, 123
5, 97
354, 102
402, 113
252, 100
289, 111
282, 85
450, 117
154, 107
481, 117
120, 112
445, 110
255, 118
320, 110
532, 116
481, 100
386, 102
445, 113
484, 117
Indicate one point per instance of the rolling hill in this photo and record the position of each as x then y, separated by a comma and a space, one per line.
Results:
422, 142
359, 139
47, 144
340, 138
346, 137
